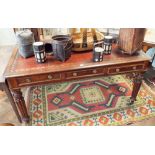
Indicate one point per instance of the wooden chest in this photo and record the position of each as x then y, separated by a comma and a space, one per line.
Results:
130, 39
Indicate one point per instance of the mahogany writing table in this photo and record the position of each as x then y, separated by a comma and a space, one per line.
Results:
22, 72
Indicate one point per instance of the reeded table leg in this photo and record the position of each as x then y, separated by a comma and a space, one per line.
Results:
20, 102
137, 81
12, 102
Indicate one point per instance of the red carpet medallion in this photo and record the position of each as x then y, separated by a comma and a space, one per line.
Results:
93, 102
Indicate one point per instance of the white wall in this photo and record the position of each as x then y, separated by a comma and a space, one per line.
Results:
150, 35
7, 36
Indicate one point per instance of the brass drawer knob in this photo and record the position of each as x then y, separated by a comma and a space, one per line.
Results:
117, 70
50, 77
74, 74
28, 80
94, 71
134, 67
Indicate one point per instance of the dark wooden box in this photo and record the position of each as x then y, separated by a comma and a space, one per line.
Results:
130, 39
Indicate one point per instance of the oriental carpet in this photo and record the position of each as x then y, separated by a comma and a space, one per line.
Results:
89, 102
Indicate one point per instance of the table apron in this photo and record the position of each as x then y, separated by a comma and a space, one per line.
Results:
32, 80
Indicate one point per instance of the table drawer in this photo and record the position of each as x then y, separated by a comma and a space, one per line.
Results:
84, 73
123, 69
38, 78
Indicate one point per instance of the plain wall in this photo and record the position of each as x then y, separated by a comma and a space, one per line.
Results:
7, 36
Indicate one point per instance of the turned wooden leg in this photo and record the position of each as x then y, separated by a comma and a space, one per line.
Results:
137, 81
10, 97
19, 100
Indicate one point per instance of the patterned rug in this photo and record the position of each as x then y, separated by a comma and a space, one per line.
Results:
94, 101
